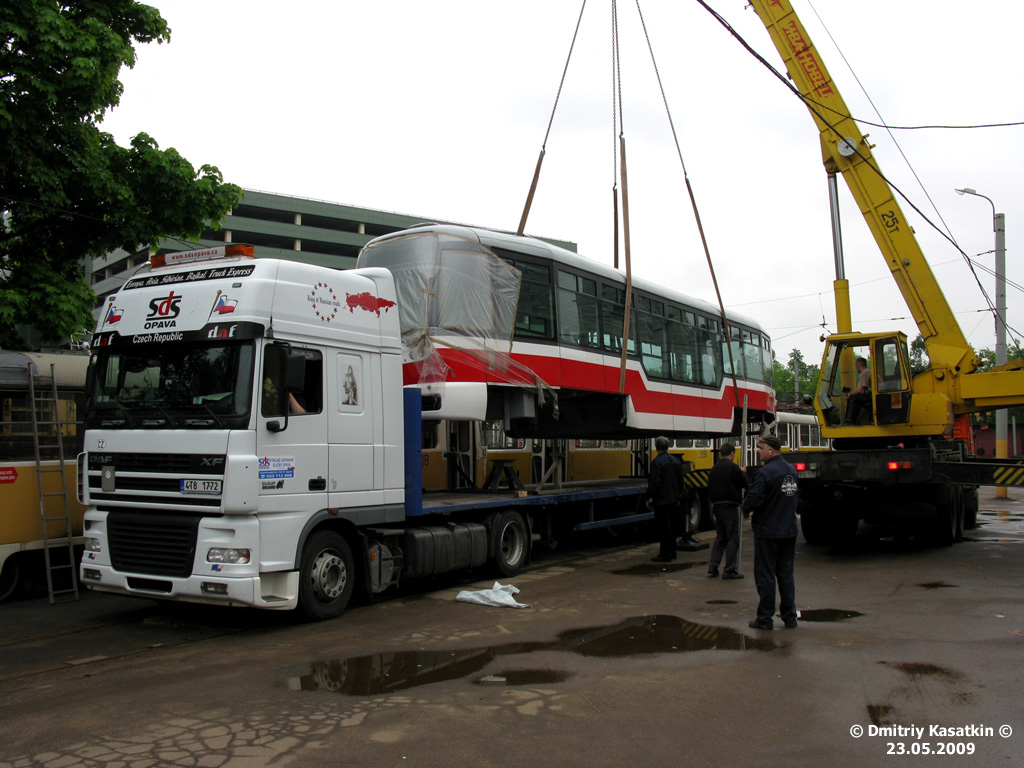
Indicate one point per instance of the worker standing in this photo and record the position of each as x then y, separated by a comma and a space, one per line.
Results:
664, 492
772, 500
726, 484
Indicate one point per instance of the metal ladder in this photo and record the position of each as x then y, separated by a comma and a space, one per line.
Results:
48, 434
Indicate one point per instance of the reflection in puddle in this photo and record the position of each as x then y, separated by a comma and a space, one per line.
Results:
525, 677
398, 671
721, 602
654, 569
828, 614
937, 585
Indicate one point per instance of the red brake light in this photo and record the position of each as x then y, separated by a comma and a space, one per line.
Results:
800, 466
900, 464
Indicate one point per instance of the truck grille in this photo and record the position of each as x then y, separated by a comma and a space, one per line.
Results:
153, 479
152, 543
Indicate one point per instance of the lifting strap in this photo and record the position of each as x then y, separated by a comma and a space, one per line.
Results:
543, 146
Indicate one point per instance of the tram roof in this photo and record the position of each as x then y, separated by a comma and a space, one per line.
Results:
69, 367
532, 246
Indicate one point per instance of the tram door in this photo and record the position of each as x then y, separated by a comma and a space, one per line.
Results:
640, 450
461, 454
545, 454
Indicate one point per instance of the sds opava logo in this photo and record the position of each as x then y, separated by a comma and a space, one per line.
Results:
163, 311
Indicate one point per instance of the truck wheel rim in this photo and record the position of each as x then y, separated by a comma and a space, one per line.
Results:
328, 576
511, 544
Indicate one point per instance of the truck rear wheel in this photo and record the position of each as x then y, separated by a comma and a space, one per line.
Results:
326, 575
510, 543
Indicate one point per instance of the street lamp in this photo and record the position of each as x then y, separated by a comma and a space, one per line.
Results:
999, 227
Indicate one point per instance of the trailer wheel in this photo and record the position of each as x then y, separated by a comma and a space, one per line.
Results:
510, 543
10, 578
326, 575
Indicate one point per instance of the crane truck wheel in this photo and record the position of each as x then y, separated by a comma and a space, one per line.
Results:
942, 531
971, 504
326, 575
510, 543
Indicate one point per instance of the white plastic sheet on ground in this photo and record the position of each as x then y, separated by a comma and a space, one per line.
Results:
500, 596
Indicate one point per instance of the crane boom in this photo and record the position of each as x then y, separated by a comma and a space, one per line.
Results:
846, 150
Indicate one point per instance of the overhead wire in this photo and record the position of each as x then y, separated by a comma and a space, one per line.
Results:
813, 107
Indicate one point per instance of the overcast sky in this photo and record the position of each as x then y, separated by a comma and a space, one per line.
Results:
439, 110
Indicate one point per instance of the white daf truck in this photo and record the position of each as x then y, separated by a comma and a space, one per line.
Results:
249, 442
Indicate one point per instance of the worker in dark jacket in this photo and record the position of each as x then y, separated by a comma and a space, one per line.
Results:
771, 500
726, 483
664, 491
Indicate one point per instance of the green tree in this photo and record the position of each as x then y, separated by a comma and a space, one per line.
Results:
68, 191
784, 390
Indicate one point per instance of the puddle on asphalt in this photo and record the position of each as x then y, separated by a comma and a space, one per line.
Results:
401, 670
828, 614
922, 669
654, 569
722, 602
937, 585
517, 677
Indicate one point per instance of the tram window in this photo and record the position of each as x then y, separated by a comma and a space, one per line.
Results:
535, 313
588, 444
783, 432
683, 353
710, 361
732, 355
494, 436
651, 332
805, 435
579, 319
612, 314
616, 443
429, 435
752, 356
766, 356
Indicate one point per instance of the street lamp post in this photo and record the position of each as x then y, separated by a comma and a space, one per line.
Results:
999, 227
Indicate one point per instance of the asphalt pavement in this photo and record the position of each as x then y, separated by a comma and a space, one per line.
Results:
905, 654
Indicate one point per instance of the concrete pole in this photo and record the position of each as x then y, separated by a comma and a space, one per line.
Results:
999, 225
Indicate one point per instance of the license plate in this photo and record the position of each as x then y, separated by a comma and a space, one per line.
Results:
200, 486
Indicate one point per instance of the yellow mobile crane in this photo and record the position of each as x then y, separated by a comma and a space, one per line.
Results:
905, 455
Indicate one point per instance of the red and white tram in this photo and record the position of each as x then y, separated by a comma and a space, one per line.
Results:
513, 329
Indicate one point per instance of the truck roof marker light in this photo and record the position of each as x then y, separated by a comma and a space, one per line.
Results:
894, 465
202, 254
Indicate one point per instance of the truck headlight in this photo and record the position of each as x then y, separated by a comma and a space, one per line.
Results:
233, 556
92, 545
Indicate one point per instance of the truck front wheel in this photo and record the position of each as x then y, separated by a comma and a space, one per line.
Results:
326, 575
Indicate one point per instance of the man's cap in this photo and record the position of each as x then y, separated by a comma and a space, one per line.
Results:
771, 441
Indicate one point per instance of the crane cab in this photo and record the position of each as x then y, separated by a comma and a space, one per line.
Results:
865, 383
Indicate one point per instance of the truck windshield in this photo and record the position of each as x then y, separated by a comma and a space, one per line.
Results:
172, 386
